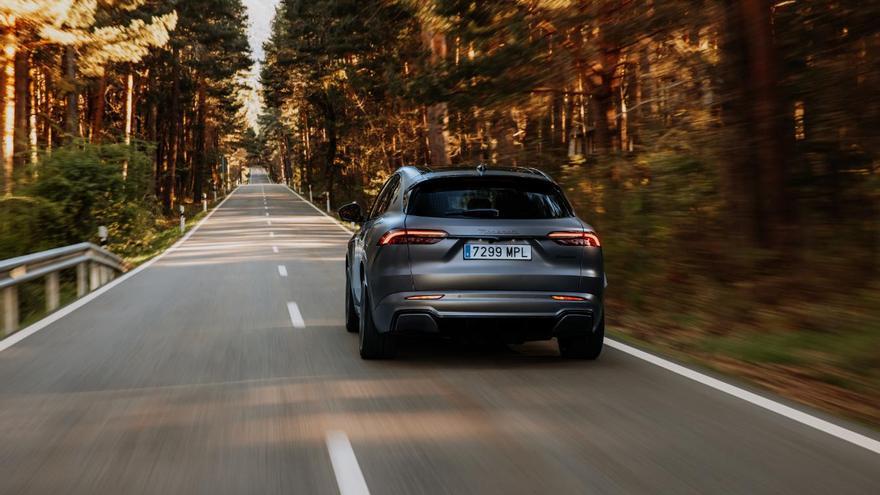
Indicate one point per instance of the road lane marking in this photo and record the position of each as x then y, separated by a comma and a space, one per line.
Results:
268, 222
752, 398
348, 473
271, 234
296, 318
282, 270
82, 301
275, 249
322, 212
267, 213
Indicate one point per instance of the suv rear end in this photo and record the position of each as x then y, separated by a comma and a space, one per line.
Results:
497, 252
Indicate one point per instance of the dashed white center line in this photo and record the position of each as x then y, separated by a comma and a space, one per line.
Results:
275, 249
296, 318
271, 234
282, 270
268, 222
345, 466
267, 213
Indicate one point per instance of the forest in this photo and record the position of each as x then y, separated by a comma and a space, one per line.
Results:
115, 112
725, 150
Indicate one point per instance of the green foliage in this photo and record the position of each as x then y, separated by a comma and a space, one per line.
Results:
28, 225
77, 188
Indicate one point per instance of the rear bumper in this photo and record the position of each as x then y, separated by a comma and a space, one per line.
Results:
521, 315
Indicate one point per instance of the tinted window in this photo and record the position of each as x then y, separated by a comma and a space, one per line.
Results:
489, 197
383, 201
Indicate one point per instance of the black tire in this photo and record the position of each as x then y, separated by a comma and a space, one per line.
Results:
372, 344
351, 317
583, 346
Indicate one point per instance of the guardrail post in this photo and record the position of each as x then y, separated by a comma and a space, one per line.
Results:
81, 282
53, 296
10, 309
94, 276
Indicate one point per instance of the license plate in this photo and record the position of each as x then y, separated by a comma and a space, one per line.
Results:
497, 252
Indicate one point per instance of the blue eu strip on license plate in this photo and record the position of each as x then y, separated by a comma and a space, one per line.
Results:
497, 252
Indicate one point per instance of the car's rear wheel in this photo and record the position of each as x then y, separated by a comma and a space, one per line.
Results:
583, 346
373, 345
351, 317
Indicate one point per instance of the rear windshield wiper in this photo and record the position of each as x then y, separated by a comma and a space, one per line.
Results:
476, 212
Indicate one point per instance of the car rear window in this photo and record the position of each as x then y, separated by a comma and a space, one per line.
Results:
488, 197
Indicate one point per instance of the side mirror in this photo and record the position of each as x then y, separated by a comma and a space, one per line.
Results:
351, 212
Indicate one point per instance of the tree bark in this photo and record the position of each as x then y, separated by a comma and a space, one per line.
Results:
129, 100
98, 109
171, 172
22, 101
10, 45
72, 114
200, 157
766, 116
437, 114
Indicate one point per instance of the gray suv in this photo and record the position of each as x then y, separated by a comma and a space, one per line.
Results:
484, 251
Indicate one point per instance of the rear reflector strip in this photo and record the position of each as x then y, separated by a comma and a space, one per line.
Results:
567, 298
426, 297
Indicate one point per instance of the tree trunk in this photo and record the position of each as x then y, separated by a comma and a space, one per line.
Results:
22, 101
330, 158
10, 44
437, 114
46, 120
200, 156
287, 150
129, 98
33, 108
72, 114
766, 118
740, 173
171, 172
98, 109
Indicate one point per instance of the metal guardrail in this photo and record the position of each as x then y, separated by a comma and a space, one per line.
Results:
95, 266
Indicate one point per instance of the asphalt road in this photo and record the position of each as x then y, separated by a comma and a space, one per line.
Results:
195, 376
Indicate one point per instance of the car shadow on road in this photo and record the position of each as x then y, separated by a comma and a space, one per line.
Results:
431, 351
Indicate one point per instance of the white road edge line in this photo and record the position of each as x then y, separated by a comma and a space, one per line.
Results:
275, 249
753, 398
345, 466
791, 413
322, 212
296, 318
70, 308
282, 270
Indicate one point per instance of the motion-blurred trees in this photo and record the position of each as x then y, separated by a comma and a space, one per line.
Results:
725, 146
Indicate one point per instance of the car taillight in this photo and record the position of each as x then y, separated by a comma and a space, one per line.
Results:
410, 236
575, 238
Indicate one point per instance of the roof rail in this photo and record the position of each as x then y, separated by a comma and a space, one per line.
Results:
538, 171
421, 169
